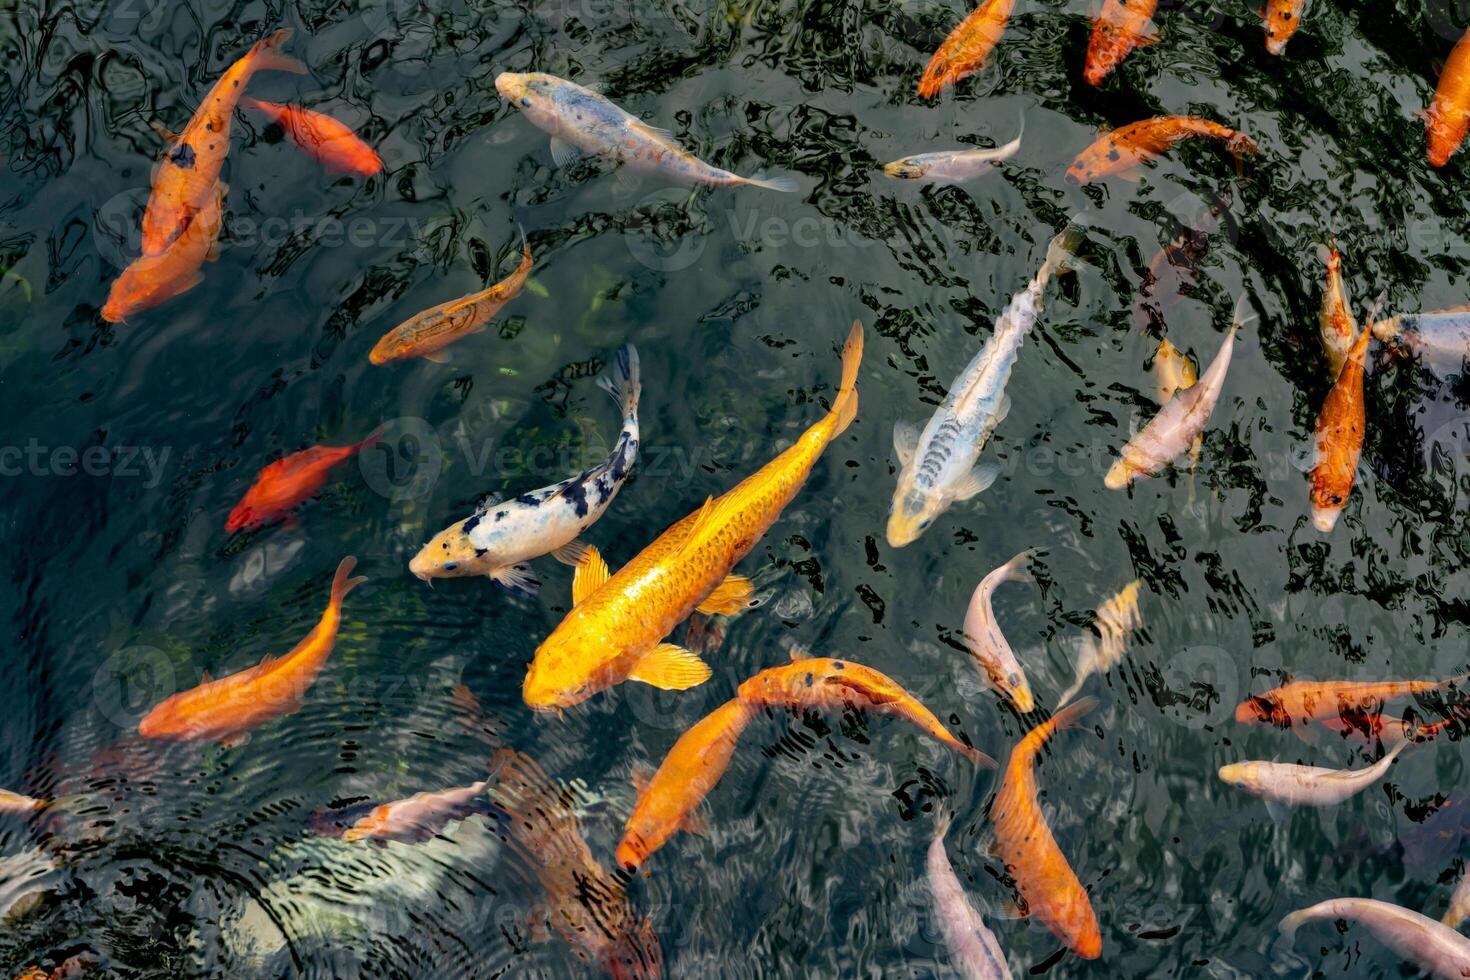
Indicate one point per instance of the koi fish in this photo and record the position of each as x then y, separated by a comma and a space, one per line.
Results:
226, 709
184, 181
1414, 937
1117, 153
501, 536
988, 645
1047, 883
937, 466
153, 279
327, 141
583, 121
289, 481
1448, 117
1339, 440
825, 683
1171, 432
1459, 909
1174, 370
420, 816
617, 624
585, 904
1442, 337
1116, 620
953, 166
668, 800
18, 804
964, 52
1339, 328
1293, 785
974, 951
1282, 18
1171, 273
1303, 701
1121, 26
426, 334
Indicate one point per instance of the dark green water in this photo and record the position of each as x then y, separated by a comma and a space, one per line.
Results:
123, 587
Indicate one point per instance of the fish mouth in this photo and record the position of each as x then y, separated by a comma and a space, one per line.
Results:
902, 171
509, 84
1074, 178
1324, 519
1117, 477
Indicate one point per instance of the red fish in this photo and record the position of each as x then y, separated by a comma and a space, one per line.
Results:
1448, 117
331, 143
1121, 26
288, 482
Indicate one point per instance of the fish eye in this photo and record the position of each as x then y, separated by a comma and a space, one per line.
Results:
450, 566
926, 522
526, 102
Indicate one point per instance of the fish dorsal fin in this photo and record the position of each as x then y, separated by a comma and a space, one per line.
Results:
905, 441
266, 662
870, 694
164, 133
670, 668
642, 777
799, 653
491, 499
205, 677
704, 520
650, 131
591, 574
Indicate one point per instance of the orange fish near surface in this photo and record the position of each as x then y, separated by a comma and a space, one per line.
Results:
1117, 153
1339, 439
1301, 702
288, 482
426, 334
331, 143
822, 682
153, 279
616, 628
226, 709
963, 53
1448, 117
667, 801
1025, 843
1121, 26
185, 179
1335, 320
1282, 17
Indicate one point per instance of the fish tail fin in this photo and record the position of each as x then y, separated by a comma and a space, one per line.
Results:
625, 386
374, 437
785, 183
1241, 146
267, 54
844, 406
1012, 569
1061, 254
942, 822
1069, 717
341, 583
248, 102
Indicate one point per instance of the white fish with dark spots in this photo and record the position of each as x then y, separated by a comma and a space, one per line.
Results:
1431, 945
973, 949
501, 537
938, 464
583, 121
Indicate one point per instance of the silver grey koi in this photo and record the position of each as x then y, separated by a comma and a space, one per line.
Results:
953, 166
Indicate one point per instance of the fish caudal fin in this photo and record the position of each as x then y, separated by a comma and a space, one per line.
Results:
844, 406
624, 386
267, 54
785, 184
341, 583
372, 440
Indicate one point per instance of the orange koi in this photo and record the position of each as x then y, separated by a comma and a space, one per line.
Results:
153, 279
1338, 326
617, 624
1121, 26
1047, 883
1117, 153
1301, 702
825, 683
1282, 18
289, 481
1448, 117
185, 179
426, 334
226, 709
963, 53
667, 801
1339, 439
331, 143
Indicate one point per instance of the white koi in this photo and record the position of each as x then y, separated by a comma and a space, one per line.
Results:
988, 646
953, 166
974, 951
1432, 945
1293, 785
1441, 338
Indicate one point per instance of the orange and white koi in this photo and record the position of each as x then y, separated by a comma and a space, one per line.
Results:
1282, 18
1025, 843
1448, 117
426, 334
420, 816
1301, 702
185, 180
226, 709
331, 143
968, 46
617, 624
830, 684
1118, 153
1339, 440
153, 279
1339, 327
1121, 26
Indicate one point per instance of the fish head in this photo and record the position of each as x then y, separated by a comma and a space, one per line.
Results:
1079, 172
241, 517
1326, 506
450, 554
161, 722
1241, 775
554, 679
909, 168
390, 348
911, 514
1119, 475
534, 94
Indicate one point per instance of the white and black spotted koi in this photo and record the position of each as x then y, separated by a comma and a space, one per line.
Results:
938, 465
502, 536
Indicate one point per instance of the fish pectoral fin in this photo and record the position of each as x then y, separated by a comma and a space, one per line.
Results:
695, 823
518, 580
905, 441
564, 154
437, 357
571, 553
670, 668
1149, 35
799, 652
164, 133
1010, 908
235, 740
642, 777
1003, 408
651, 131
975, 481
1278, 812
729, 597
591, 574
